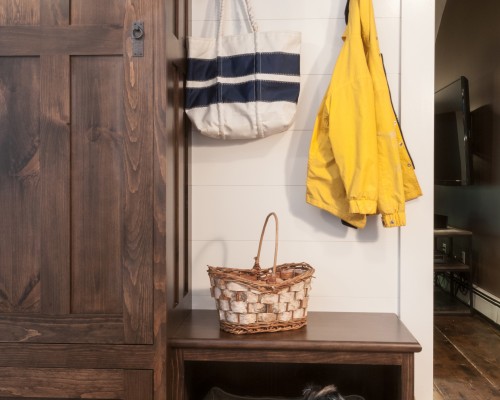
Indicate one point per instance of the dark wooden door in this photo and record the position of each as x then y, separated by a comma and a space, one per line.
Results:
76, 173
93, 199
92, 168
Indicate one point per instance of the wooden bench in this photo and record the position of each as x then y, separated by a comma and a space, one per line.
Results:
370, 354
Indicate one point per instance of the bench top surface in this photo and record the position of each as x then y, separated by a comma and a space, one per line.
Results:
327, 331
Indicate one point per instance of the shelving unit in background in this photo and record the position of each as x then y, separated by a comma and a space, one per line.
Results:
453, 264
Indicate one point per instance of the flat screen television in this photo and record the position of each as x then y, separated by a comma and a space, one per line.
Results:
452, 135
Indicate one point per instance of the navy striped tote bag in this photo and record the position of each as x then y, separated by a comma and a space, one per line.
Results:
243, 86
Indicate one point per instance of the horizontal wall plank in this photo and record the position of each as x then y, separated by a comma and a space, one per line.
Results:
289, 9
277, 160
321, 39
344, 272
354, 303
237, 213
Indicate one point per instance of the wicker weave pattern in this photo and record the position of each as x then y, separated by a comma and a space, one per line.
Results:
242, 304
262, 300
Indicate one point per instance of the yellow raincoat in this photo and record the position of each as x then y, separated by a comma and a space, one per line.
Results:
358, 161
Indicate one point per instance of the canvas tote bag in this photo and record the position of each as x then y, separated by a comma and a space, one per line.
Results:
243, 86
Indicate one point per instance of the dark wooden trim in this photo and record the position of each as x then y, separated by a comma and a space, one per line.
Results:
407, 374
72, 40
159, 202
138, 144
302, 357
294, 345
185, 143
172, 148
177, 231
177, 390
76, 356
179, 259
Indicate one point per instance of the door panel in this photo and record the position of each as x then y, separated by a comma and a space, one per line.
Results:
55, 184
95, 12
76, 172
19, 184
98, 184
26, 12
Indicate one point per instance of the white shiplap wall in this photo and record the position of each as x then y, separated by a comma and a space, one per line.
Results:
235, 184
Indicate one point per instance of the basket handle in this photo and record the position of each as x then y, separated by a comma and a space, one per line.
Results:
257, 265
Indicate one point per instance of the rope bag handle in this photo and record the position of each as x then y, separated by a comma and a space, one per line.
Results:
249, 12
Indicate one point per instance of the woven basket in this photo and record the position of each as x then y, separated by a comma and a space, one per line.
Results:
262, 300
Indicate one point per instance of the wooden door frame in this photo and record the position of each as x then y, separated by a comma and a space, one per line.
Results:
168, 314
